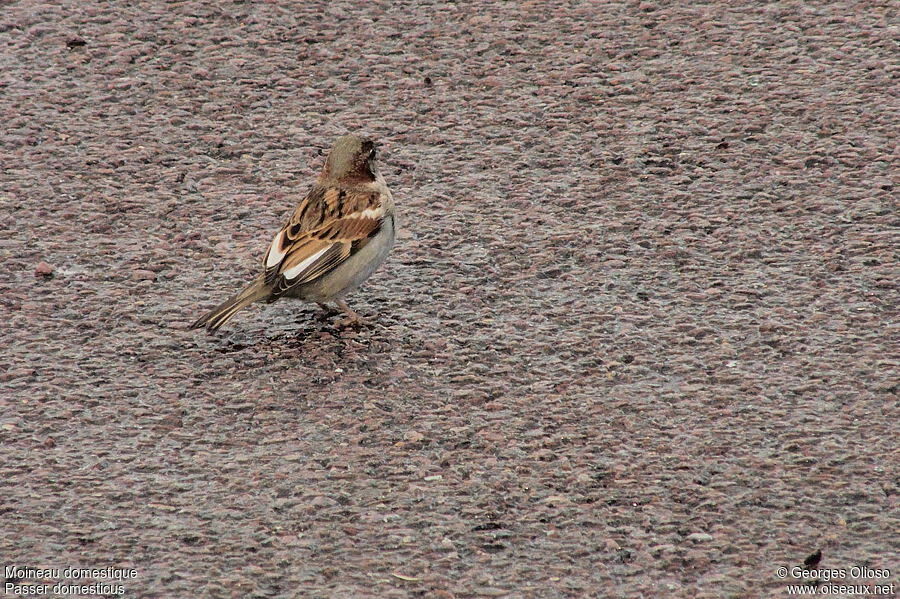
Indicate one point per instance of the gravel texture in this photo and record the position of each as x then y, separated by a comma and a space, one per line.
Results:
638, 336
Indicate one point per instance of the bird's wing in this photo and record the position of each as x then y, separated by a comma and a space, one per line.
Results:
320, 234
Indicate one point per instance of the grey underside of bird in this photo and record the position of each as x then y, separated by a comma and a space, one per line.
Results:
332, 286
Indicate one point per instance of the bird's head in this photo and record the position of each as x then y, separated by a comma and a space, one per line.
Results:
351, 157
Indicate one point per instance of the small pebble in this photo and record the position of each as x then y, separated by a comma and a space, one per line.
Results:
43, 270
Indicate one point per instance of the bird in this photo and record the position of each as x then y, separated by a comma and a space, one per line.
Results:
338, 235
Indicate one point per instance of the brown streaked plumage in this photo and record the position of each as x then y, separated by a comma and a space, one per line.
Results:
336, 237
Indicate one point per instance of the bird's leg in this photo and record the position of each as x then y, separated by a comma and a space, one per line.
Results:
353, 319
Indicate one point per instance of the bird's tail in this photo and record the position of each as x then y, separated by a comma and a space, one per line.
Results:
224, 311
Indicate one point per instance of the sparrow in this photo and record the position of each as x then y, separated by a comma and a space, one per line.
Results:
337, 236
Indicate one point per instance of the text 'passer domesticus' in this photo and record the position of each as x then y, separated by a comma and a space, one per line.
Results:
335, 239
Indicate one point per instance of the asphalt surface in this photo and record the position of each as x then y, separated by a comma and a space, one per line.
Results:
638, 336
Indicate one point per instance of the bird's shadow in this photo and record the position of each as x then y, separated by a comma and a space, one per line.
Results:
299, 332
